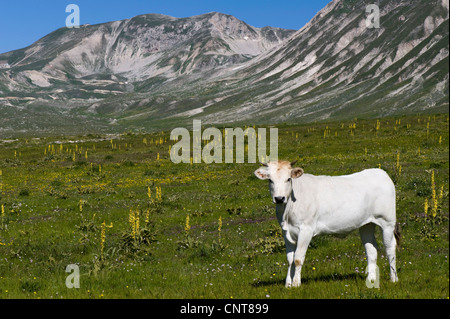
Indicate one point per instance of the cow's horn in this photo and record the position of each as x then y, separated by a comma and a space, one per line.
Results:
293, 163
264, 164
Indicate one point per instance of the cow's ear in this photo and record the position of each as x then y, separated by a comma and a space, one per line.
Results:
262, 173
296, 172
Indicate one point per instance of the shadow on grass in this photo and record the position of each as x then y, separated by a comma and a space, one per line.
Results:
306, 280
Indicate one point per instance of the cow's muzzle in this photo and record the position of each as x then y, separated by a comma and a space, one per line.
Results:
279, 199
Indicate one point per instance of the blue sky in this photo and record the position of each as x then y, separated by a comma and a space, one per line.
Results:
23, 22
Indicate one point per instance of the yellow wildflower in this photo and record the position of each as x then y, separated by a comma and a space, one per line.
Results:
220, 228
103, 238
434, 200
133, 219
187, 226
158, 194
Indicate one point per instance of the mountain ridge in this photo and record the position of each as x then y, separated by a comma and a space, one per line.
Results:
154, 71
340, 54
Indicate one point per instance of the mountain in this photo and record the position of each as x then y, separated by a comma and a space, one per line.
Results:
72, 77
336, 67
156, 72
138, 49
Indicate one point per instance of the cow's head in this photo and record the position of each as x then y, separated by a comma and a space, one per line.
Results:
280, 175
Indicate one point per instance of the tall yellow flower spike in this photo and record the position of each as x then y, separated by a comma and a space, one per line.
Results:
187, 226
3, 214
133, 219
158, 194
434, 200
220, 228
103, 238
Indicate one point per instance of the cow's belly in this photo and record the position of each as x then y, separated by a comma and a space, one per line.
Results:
341, 224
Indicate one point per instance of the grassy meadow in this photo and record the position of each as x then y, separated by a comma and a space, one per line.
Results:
140, 226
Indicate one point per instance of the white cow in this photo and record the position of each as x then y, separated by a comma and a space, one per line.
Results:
309, 205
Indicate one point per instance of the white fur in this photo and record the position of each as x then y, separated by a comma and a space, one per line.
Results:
332, 205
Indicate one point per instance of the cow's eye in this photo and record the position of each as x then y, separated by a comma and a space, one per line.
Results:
270, 181
289, 180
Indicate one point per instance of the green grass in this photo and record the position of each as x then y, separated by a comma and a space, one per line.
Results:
43, 230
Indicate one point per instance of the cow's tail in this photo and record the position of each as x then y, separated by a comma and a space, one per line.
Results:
397, 234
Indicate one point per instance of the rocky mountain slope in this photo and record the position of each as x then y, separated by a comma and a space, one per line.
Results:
137, 49
155, 71
336, 67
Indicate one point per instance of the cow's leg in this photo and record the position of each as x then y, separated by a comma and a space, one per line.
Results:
390, 244
367, 233
290, 248
303, 241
